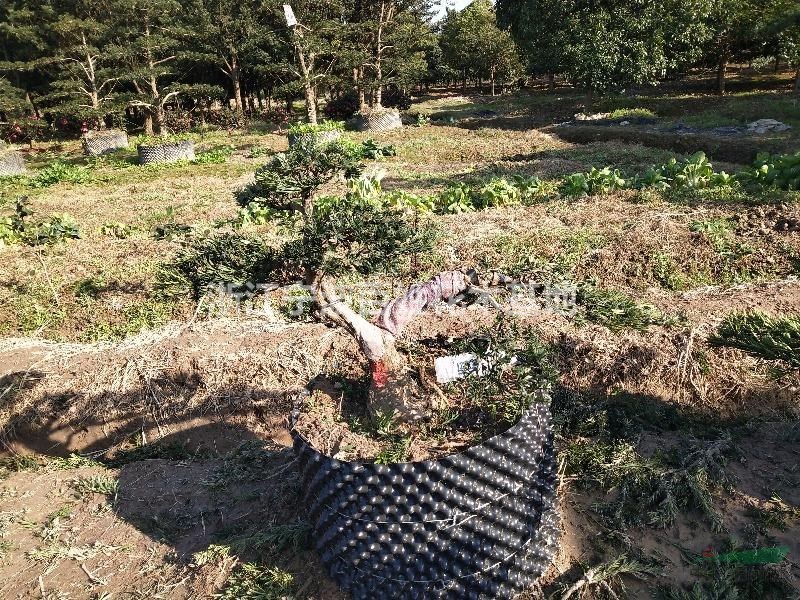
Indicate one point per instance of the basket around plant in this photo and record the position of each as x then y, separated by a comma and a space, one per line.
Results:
101, 142
166, 152
482, 523
11, 162
380, 119
316, 137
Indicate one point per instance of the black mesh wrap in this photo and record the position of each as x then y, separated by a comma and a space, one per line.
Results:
167, 152
479, 524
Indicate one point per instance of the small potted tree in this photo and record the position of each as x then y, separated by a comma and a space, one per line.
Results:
165, 149
103, 141
319, 133
477, 521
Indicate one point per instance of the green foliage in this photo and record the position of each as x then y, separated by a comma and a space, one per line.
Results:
495, 192
205, 262
217, 155
616, 310
351, 234
653, 491
96, 484
297, 129
456, 199
395, 452
372, 150
290, 178
252, 582
632, 113
772, 338
18, 228
595, 182
515, 367
60, 171
780, 171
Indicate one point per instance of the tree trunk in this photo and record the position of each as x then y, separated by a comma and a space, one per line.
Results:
492, 78
722, 69
148, 123
797, 82
551, 81
236, 79
393, 389
311, 104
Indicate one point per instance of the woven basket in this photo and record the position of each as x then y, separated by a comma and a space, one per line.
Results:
11, 162
165, 153
103, 142
316, 138
479, 524
382, 119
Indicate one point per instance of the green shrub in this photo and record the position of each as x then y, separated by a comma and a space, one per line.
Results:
347, 234
290, 178
495, 192
18, 228
217, 155
157, 140
616, 310
772, 338
224, 259
595, 182
780, 171
59, 171
457, 198
305, 128
632, 113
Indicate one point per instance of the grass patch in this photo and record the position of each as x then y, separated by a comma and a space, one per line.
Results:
254, 582
96, 484
771, 338
616, 310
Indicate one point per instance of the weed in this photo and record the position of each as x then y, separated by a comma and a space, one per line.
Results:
96, 484
606, 577
772, 338
216, 155
667, 272
616, 310
252, 582
653, 491
515, 367
273, 540
775, 513
733, 582
394, 452
60, 171
56, 552
632, 113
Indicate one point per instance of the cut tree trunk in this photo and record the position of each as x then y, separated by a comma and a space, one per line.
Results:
393, 388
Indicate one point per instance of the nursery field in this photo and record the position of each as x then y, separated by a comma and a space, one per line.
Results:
146, 453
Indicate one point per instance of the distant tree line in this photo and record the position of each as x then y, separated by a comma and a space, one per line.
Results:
606, 44
96, 61
152, 62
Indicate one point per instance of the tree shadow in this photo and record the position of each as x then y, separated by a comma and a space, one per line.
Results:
194, 479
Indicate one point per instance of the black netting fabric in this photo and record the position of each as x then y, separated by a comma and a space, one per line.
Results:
318, 137
102, 142
380, 120
170, 152
479, 524
11, 163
